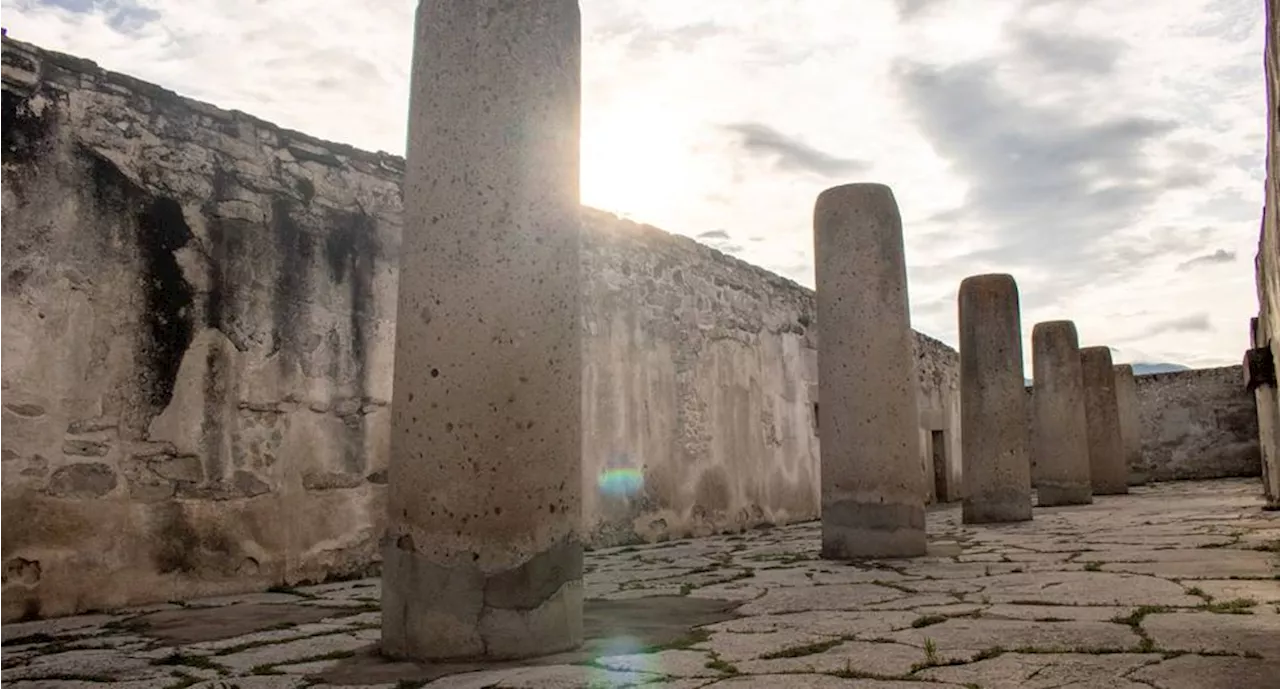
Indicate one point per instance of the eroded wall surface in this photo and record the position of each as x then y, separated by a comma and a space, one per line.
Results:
1197, 424
198, 321
197, 314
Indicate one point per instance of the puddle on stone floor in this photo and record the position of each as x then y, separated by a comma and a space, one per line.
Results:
610, 628
198, 625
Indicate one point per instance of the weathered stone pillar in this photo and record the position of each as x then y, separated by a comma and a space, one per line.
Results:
872, 477
993, 403
482, 555
1059, 427
1107, 471
1130, 424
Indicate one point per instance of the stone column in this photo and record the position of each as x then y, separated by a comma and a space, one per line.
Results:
1130, 424
993, 403
1059, 427
872, 478
1107, 471
482, 557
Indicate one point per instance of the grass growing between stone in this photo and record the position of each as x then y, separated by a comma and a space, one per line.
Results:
1238, 606
805, 650
722, 666
1134, 621
188, 660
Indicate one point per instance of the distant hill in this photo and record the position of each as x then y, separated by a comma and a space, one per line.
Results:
1142, 369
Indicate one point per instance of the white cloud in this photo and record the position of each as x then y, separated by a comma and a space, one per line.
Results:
1157, 109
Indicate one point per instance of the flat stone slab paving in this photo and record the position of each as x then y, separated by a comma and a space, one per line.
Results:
1174, 586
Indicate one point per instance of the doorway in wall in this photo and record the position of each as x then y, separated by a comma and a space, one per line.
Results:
938, 449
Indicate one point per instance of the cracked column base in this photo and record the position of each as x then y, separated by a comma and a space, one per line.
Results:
854, 530
1066, 494
436, 613
999, 506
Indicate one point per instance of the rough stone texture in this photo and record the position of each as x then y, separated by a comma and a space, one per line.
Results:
197, 309
993, 429
1056, 621
873, 487
482, 555
1107, 471
1059, 427
1266, 329
1130, 423
204, 304
1197, 424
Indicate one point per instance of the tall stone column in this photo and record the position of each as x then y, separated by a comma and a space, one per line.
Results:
482, 556
1059, 427
872, 478
1107, 471
1130, 424
993, 403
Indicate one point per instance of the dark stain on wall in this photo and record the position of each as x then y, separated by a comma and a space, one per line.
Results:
168, 296
293, 249
180, 546
212, 426
350, 249
26, 136
168, 299
221, 249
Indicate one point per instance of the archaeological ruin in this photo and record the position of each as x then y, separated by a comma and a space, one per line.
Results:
282, 413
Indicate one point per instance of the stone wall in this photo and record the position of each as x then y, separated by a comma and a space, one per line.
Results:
1266, 329
198, 313
1197, 424
701, 375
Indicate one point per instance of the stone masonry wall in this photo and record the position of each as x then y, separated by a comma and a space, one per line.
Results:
198, 314
1197, 424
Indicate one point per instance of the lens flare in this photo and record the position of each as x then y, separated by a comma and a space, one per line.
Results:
621, 482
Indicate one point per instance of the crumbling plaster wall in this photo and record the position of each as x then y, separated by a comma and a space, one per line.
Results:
1197, 424
198, 314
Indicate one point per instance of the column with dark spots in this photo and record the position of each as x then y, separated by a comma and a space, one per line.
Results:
873, 482
482, 556
995, 452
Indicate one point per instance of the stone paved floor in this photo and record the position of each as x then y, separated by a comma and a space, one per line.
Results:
1176, 586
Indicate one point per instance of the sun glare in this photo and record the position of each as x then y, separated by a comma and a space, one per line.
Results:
636, 161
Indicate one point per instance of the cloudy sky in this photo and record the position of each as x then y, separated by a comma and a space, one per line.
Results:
1107, 153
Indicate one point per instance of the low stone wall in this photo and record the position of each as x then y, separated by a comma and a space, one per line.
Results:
1197, 424
198, 314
